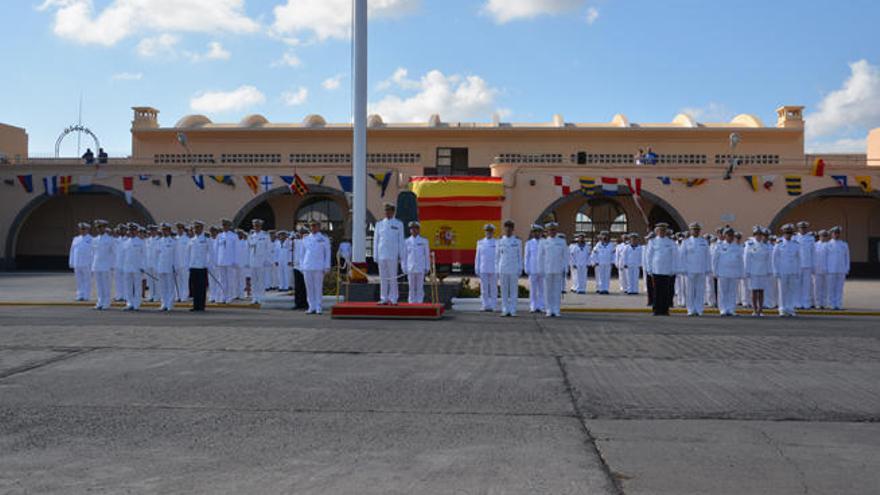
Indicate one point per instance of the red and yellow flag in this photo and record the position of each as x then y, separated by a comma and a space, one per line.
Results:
253, 182
64, 183
453, 212
818, 168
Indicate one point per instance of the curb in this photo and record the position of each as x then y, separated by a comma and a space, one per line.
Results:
149, 305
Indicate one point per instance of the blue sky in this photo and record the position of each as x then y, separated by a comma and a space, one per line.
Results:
466, 60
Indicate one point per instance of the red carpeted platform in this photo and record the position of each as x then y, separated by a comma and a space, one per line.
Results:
403, 311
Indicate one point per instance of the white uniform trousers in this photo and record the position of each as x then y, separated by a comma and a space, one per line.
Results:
679, 290
834, 287
272, 279
632, 279
284, 273
820, 290
416, 284
728, 289
806, 288
695, 293
711, 297
771, 295
133, 289
314, 289
603, 277
83, 283
388, 281
167, 292
553, 284
182, 284
536, 292
118, 284
152, 290
621, 280
488, 291
243, 274
259, 277
509, 293
579, 278
743, 295
789, 293
102, 289
228, 283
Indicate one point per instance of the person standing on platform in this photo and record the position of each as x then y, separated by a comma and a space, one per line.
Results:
552, 261
696, 263
80, 261
315, 264
807, 242
602, 258
580, 264
820, 270
838, 268
727, 265
260, 260
533, 270
103, 261
416, 263
509, 266
631, 262
757, 256
388, 251
166, 258
181, 249
787, 269
226, 247
660, 262
134, 266
300, 299
199, 255
484, 267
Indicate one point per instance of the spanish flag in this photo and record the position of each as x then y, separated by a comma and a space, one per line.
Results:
453, 211
818, 168
864, 181
793, 185
64, 183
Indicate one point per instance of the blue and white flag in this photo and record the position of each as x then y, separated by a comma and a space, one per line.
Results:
50, 185
199, 181
266, 182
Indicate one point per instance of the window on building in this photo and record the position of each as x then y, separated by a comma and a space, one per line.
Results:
452, 161
599, 215
324, 210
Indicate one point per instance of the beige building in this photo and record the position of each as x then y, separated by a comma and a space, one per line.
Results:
531, 158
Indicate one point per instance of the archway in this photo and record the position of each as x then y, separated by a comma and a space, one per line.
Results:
857, 212
39, 237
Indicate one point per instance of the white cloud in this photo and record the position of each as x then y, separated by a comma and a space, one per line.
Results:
295, 98
332, 83
127, 76
843, 145
592, 15
855, 106
289, 59
454, 97
220, 101
711, 112
510, 10
162, 45
327, 19
215, 52
78, 20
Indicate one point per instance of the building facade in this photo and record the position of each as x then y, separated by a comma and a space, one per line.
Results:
542, 166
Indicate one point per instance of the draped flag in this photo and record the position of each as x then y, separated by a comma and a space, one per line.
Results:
841, 180
752, 181
127, 188
563, 183
589, 186
27, 182
609, 186
199, 181
50, 185
692, 182
226, 180
453, 211
296, 184
665, 180
635, 186
345, 183
84, 183
768, 181
818, 168
253, 182
382, 180
793, 185
864, 181
64, 183
144, 177
168, 180
319, 179
266, 182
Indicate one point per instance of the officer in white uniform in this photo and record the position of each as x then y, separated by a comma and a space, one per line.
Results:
226, 247
484, 267
619, 263
580, 264
150, 263
533, 270
695, 262
787, 268
837, 252
388, 252
416, 263
509, 266
631, 263
820, 270
260, 260
757, 254
119, 239
166, 267
661, 259
284, 260
552, 252
181, 264
602, 258
315, 263
103, 261
80, 261
242, 267
134, 266
727, 265
807, 242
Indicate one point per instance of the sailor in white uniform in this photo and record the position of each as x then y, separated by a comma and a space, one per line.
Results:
837, 253
787, 268
757, 254
807, 242
602, 259
631, 263
416, 263
226, 246
181, 250
284, 260
80, 261
134, 266
509, 266
727, 265
580, 264
552, 261
388, 240
166, 267
820, 270
695, 262
119, 238
315, 263
484, 267
533, 270
103, 261
260, 260
619, 262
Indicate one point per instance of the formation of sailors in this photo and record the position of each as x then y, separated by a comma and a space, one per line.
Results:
184, 262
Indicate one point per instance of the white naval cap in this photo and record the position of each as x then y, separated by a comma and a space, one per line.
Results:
488, 227
414, 223
84, 225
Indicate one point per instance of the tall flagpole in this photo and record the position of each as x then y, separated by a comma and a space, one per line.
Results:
359, 155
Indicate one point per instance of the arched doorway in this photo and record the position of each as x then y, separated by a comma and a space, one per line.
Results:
598, 215
856, 212
39, 238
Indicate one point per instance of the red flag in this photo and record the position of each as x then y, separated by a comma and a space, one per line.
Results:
635, 186
128, 186
563, 183
298, 186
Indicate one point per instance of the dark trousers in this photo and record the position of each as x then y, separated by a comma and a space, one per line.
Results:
664, 289
649, 284
198, 287
299, 290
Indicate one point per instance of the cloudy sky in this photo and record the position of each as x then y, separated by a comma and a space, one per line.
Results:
522, 60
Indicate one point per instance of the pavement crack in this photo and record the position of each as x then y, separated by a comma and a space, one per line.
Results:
805, 489
46, 362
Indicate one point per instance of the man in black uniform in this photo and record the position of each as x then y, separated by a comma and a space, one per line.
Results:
199, 252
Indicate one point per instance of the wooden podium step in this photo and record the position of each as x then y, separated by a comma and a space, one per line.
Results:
376, 311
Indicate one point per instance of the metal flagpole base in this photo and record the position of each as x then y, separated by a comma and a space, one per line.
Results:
359, 273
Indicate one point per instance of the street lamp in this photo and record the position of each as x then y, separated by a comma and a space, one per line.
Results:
732, 161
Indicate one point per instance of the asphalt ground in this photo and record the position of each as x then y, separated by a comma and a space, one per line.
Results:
271, 401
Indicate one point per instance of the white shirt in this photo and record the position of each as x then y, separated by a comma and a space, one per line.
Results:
838, 256
416, 255
807, 242
226, 247
484, 261
695, 256
388, 240
80, 252
345, 250
316, 253
260, 249
786, 258
727, 260
166, 255
603, 253
135, 255
199, 251
531, 257
298, 252
104, 253
580, 255
284, 252
241, 253
820, 258
181, 250
757, 258
119, 253
509, 256
631, 256
552, 256
661, 256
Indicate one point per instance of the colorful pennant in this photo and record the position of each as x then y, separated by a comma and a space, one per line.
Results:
345, 183
64, 183
864, 182
319, 179
382, 179
666, 181
253, 182
691, 182
168, 180
841, 180
50, 185
199, 181
226, 180
563, 183
752, 181
818, 168
589, 186
793, 185
128, 188
609, 186
768, 180
635, 186
266, 182
27, 182
296, 184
